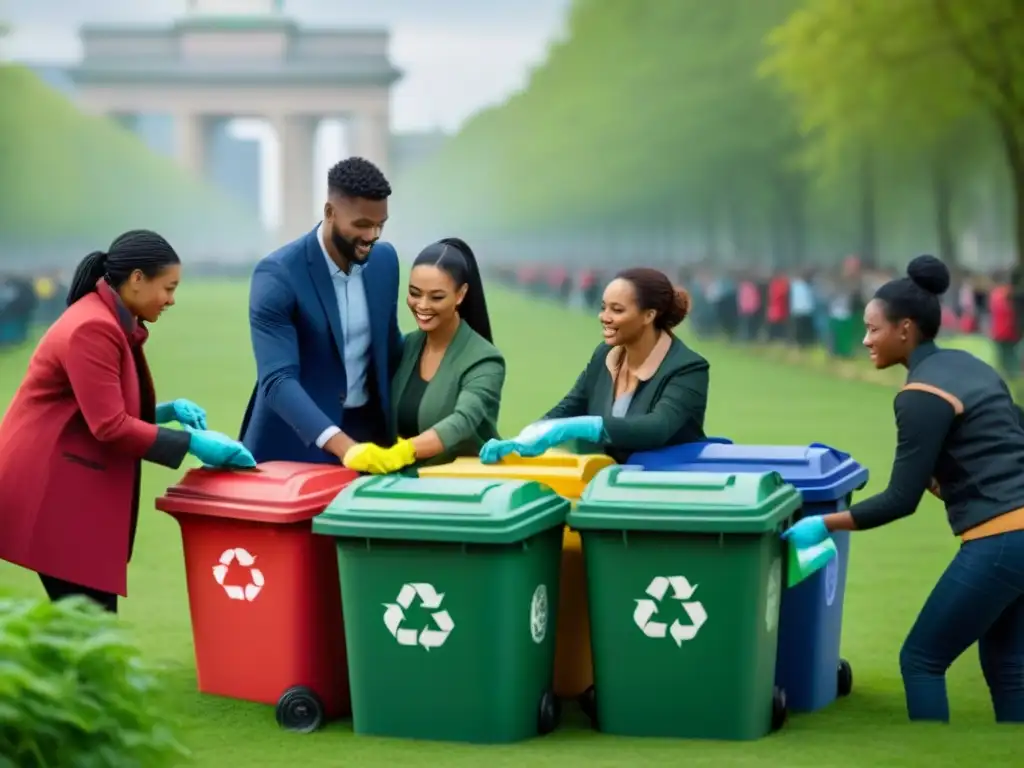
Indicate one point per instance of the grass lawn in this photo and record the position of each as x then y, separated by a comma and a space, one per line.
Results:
201, 351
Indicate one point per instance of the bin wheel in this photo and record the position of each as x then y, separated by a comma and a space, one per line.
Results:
845, 678
588, 703
549, 713
300, 710
779, 709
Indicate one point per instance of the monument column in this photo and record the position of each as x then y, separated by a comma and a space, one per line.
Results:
190, 143
296, 135
369, 136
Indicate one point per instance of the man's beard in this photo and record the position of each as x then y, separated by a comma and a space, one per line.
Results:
347, 248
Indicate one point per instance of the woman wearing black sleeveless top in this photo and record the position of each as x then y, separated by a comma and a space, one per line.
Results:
960, 436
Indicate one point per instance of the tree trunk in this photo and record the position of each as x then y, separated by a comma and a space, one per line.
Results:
711, 251
1013, 144
868, 213
942, 189
793, 214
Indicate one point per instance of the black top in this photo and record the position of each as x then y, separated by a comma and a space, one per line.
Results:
667, 407
407, 422
957, 423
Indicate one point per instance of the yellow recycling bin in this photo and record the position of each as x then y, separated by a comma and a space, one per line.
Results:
567, 474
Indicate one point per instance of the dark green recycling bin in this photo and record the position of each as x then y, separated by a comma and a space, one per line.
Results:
449, 592
684, 576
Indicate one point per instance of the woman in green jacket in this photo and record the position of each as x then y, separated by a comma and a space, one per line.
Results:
446, 392
643, 388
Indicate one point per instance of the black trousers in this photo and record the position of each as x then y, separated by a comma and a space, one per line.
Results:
57, 589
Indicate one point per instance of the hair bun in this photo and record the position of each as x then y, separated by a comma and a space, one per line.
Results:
683, 303
929, 273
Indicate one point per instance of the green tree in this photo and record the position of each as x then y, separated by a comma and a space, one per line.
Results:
921, 79
648, 115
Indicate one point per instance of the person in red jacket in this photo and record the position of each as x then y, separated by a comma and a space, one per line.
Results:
84, 417
1004, 328
778, 308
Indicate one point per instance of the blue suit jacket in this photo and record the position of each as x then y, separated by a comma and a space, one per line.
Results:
298, 344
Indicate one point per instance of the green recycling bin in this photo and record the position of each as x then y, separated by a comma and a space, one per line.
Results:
685, 574
449, 590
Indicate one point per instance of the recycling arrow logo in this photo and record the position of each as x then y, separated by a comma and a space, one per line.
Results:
428, 637
831, 580
241, 556
647, 608
773, 597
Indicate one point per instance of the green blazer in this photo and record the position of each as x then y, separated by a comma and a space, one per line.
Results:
462, 401
667, 407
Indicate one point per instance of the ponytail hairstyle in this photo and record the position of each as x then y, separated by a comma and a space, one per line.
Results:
137, 250
456, 258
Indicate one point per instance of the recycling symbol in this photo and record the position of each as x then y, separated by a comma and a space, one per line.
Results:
242, 557
831, 579
428, 637
773, 598
682, 590
539, 614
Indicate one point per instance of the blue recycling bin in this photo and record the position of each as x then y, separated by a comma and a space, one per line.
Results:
809, 667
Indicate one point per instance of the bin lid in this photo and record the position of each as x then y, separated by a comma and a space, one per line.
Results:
625, 498
273, 492
821, 472
566, 473
464, 510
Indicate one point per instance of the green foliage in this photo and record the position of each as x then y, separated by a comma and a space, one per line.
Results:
922, 82
750, 124
67, 176
75, 692
875, 72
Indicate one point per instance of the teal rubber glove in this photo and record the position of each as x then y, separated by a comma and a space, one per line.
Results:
541, 436
808, 532
219, 451
183, 411
494, 451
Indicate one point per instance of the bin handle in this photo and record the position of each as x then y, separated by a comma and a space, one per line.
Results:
834, 451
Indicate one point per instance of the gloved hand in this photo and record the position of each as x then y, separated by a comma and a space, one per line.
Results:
217, 450
372, 459
808, 532
541, 436
494, 451
183, 411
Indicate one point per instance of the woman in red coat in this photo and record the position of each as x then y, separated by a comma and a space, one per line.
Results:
84, 417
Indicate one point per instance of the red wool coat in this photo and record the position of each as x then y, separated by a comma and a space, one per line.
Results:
71, 444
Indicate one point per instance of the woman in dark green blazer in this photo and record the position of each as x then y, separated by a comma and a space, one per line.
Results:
643, 388
446, 392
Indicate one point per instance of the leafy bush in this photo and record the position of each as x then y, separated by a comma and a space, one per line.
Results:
75, 692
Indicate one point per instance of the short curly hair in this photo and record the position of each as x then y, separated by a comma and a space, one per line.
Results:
358, 177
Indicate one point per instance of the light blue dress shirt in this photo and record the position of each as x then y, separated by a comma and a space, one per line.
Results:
355, 324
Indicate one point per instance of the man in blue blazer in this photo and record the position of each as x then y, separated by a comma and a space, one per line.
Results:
324, 324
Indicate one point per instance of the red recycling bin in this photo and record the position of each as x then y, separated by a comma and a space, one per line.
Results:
263, 590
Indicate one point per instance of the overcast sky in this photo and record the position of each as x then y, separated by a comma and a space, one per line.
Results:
458, 55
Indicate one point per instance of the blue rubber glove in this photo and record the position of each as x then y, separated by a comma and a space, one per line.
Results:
219, 451
183, 411
808, 532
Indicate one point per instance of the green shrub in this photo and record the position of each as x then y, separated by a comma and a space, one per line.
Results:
75, 692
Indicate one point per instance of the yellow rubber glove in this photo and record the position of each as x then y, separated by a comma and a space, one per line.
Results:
372, 459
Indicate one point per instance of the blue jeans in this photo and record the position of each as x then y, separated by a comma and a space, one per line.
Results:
979, 599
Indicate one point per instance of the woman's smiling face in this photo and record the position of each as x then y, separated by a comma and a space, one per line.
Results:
622, 320
433, 297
